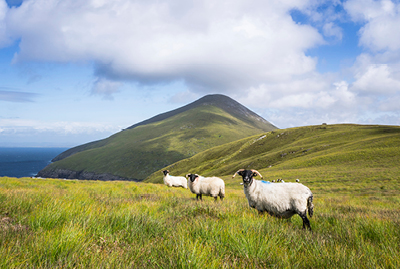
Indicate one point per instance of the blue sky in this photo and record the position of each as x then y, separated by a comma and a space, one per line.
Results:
76, 71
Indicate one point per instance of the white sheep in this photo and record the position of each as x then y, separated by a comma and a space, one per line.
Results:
210, 186
279, 200
172, 181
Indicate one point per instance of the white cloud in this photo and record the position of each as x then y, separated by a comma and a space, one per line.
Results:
381, 31
106, 87
250, 49
332, 30
317, 91
29, 127
377, 78
4, 38
391, 104
211, 45
367, 10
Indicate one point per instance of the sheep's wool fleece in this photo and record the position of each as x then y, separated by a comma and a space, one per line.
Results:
172, 181
207, 185
279, 199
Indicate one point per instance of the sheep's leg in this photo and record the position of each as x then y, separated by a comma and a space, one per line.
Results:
197, 196
215, 198
306, 222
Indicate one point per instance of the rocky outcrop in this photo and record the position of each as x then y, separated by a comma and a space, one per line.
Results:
84, 175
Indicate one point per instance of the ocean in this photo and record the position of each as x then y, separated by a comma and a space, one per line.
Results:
26, 162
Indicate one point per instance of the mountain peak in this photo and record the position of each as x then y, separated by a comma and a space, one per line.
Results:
210, 121
219, 100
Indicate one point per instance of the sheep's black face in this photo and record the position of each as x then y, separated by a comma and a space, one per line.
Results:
165, 172
192, 177
247, 176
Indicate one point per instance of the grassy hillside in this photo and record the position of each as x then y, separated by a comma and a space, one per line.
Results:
136, 153
46, 223
344, 155
352, 170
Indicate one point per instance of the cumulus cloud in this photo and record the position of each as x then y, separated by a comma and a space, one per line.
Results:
4, 39
382, 20
252, 50
315, 92
211, 45
391, 104
378, 79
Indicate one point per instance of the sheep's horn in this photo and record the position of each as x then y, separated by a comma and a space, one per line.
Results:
258, 173
237, 172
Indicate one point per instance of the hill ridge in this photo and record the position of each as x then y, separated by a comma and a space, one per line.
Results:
297, 149
142, 148
225, 102
222, 101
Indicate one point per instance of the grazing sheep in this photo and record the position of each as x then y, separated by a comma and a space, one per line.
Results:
172, 181
279, 200
210, 186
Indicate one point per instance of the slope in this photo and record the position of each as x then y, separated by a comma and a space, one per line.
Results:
227, 104
320, 154
137, 152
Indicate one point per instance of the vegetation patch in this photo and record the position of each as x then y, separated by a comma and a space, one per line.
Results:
52, 223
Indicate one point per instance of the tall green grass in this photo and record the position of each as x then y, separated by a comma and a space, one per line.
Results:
51, 223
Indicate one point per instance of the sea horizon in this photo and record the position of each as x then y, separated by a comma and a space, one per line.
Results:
26, 161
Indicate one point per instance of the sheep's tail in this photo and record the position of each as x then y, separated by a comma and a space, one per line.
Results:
310, 205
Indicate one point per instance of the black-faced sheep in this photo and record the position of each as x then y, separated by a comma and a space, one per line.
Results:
210, 186
279, 200
173, 181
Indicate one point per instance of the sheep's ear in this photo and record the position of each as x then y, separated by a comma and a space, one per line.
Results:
240, 173
254, 174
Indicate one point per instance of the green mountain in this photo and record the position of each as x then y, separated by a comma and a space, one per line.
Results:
322, 154
148, 146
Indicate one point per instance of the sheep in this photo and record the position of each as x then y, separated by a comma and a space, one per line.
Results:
172, 181
279, 200
210, 186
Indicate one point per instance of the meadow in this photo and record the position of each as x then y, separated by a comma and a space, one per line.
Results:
54, 223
